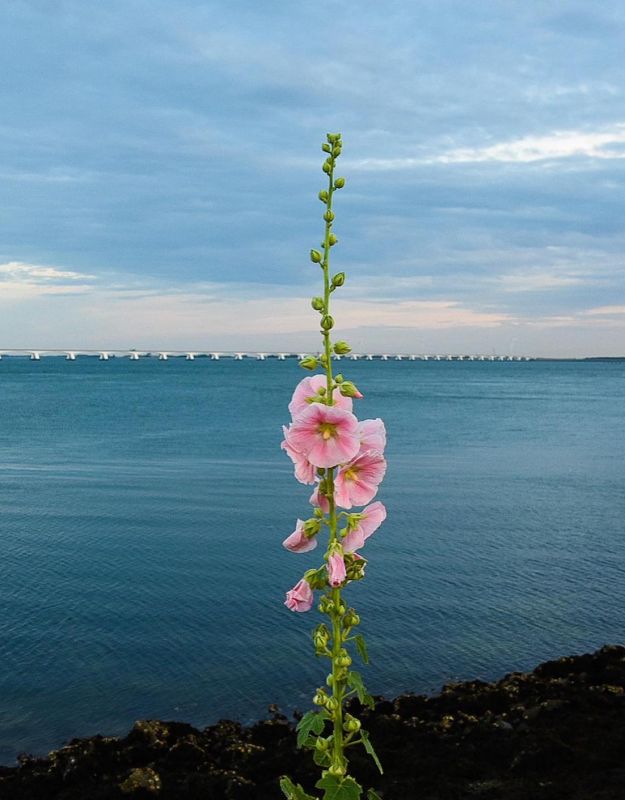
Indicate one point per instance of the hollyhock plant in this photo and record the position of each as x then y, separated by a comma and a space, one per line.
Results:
304, 470
344, 459
300, 597
357, 482
366, 524
372, 435
298, 541
336, 569
325, 435
312, 389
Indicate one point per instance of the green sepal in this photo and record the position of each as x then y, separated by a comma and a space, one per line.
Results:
311, 722
339, 788
366, 741
373, 795
361, 646
354, 681
292, 791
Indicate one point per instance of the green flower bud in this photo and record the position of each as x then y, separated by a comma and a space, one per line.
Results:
338, 279
315, 256
349, 389
327, 323
336, 770
322, 744
326, 167
351, 619
339, 183
312, 527
344, 661
333, 137
326, 148
320, 698
323, 196
339, 378
317, 303
336, 151
310, 362
329, 216
332, 240
332, 704
341, 348
318, 513
329, 680
351, 724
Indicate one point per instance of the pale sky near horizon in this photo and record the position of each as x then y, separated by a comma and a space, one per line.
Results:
160, 163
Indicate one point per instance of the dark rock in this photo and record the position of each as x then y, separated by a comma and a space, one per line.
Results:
557, 733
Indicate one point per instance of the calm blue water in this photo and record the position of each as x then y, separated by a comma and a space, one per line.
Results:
142, 507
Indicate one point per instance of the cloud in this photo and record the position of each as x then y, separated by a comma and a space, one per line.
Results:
33, 273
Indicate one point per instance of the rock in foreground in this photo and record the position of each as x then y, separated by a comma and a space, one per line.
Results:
557, 732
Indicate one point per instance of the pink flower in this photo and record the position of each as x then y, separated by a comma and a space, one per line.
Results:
373, 516
304, 470
298, 542
300, 597
336, 570
372, 435
320, 500
308, 388
357, 482
326, 435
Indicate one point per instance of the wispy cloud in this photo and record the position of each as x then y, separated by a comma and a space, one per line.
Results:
33, 273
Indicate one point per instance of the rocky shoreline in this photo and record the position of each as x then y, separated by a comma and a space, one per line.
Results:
556, 732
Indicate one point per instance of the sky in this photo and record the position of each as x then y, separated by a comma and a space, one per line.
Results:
160, 162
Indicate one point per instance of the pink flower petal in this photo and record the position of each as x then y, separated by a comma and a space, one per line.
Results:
298, 542
304, 470
336, 570
357, 482
373, 516
308, 387
326, 435
300, 597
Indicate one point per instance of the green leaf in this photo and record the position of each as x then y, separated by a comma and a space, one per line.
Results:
373, 795
311, 722
321, 759
369, 748
292, 791
354, 681
361, 646
339, 788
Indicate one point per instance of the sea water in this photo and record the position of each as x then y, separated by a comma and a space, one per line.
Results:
143, 505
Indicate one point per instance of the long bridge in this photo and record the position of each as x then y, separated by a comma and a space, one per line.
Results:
191, 355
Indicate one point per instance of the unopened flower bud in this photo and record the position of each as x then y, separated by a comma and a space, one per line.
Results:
322, 744
336, 151
317, 303
339, 378
329, 216
329, 680
327, 323
351, 724
348, 389
315, 256
332, 240
310, 362
320, 698
332, 704
336, 770
338, 279
326, 148
344, 661
339, 183
326, 167
323, 196
341, 348
333, 137
351, 619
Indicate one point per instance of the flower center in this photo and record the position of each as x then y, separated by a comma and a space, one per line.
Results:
350, 474
327, 430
